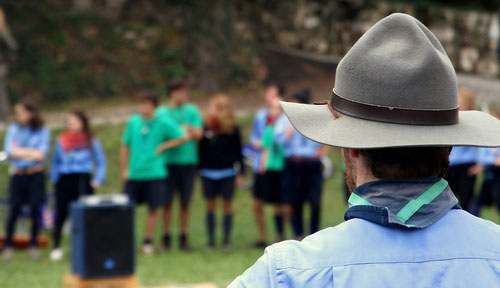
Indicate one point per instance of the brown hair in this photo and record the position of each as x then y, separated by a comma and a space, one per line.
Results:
149, 96
407, 162
221, 109
84, 119
175, 85
35, 122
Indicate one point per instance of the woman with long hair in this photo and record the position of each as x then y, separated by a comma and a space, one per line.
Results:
221, 163
27, 144
77, 153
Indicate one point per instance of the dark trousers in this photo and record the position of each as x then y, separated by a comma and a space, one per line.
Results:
25, 190
490, 190
462, 184
304, 183
69, 188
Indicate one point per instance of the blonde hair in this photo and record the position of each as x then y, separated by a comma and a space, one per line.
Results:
220, 108
467, 98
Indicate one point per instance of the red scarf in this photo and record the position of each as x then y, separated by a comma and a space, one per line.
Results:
213, 124
72, 141
270, 120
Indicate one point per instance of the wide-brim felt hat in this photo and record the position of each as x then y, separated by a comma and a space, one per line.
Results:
396, 87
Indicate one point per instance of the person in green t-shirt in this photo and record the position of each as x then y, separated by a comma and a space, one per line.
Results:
143, 169
182, 160
271, 166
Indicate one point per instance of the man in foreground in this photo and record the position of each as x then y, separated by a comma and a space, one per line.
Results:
394, 110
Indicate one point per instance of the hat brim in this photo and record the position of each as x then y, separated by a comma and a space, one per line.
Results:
318, 123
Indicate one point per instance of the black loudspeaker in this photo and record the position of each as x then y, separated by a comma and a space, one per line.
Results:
102, 239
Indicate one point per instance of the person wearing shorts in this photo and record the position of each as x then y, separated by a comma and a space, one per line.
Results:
221, 164
271, 167
143, 169
273, 94
182, 160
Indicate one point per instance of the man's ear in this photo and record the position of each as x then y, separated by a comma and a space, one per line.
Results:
354, 153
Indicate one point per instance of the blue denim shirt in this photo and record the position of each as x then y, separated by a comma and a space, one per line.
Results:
464, 155
259, 124
85, 160
455, 250
297, 145
24, 137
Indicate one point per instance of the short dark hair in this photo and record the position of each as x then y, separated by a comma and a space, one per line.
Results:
176, 84
281, 89
407, 162
149, 96
36, 121
303, 96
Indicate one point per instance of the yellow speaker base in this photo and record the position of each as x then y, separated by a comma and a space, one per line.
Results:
74, 281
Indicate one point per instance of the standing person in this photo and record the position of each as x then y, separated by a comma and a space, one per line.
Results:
221, 164
27, 144
77, 153
274, 93
302, 180
464, 167
272, 163
181, 161
143, 168
403, 227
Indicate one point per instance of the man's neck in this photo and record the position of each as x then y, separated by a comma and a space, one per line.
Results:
147, 117
174, 103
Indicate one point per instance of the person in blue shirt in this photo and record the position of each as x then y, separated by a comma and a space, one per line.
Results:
77, 153
261, 190
27, 144
464, 166
302, 176
394, 114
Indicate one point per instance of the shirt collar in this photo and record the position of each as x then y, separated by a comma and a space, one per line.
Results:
402, 203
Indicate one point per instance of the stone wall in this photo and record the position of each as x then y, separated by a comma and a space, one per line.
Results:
471, 38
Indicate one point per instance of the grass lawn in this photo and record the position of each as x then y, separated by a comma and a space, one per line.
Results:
174, 267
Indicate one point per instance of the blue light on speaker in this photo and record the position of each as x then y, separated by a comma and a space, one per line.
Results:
109, 264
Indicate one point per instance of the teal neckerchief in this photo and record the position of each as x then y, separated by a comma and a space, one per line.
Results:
402, 203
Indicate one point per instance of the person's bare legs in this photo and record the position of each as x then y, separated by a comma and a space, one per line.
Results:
258, 207
147, 247
167, 218
286, 211
184, 225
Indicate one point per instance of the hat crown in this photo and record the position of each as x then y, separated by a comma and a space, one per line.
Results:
398, 63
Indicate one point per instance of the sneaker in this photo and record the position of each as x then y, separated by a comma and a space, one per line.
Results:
57, 254
34, 253
8, 254
147, 249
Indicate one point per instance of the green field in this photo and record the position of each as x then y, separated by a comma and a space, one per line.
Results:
173, 267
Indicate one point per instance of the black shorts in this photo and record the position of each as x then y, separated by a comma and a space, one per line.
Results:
224, 187
180, 179
259, 186
273, 185
27, 190
302, 181
151, 192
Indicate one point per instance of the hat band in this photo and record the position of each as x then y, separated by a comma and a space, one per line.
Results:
393, 115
